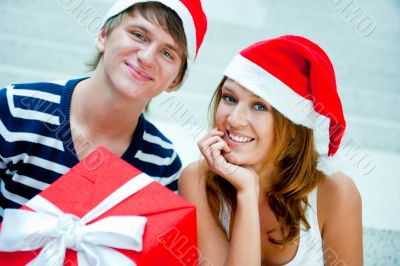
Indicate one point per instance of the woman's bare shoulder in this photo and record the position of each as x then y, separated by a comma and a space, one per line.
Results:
192, 179
194, 172
337, 194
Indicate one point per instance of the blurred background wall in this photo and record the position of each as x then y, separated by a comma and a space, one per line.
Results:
51, 40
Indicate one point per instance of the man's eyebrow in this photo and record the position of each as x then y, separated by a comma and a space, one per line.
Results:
174, 49
142, 28
145, 30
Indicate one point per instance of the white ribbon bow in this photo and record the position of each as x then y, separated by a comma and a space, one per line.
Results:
56, 231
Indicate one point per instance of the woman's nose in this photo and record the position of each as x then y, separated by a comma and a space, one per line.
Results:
238, 117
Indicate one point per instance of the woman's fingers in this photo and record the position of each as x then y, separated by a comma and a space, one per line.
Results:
211, 133
212, 138
206, 144
216, 149
217, 160
217, 154
213, 147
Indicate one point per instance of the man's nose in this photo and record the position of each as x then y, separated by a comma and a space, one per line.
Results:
147, 55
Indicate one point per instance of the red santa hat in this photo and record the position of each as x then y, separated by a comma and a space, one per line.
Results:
191, 13
297, 78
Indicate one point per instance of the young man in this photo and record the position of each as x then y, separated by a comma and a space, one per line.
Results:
144, 48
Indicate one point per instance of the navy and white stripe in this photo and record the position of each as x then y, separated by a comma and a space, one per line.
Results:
36, 143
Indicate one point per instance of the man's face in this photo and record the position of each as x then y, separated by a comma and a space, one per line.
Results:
140, 59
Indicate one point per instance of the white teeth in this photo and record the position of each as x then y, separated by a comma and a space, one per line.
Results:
240, 139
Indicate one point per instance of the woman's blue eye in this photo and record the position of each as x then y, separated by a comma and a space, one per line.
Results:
260, 107
228, 99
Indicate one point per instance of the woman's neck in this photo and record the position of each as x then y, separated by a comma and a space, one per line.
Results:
266, 174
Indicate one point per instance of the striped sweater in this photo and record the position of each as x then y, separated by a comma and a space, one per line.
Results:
36, 145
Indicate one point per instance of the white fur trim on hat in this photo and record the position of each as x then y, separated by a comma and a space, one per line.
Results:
257, 80
330, 164
290, 104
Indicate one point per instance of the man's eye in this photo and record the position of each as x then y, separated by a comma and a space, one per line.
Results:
229, 99
139, 36
260, 107
167, 54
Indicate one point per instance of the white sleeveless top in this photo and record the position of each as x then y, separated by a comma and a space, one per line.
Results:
310, 250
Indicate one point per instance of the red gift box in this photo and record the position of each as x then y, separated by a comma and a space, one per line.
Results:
169, 236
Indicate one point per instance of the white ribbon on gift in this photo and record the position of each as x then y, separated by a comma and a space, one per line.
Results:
56, 231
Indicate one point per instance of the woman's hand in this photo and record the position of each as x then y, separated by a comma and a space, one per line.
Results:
217, 155
244, 247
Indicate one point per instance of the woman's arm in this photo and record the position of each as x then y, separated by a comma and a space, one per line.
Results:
214, 248
339, 210
212, 243
245, 245
245, 248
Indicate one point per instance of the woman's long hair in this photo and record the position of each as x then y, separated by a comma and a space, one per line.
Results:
294, 159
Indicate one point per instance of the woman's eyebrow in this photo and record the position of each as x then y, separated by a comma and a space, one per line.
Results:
226, 88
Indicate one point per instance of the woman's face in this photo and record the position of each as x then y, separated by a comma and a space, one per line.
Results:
247, 122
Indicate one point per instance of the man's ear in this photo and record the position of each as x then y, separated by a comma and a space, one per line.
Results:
101, 40
175, 83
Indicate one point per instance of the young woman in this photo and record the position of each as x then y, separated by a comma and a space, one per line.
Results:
264, 194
